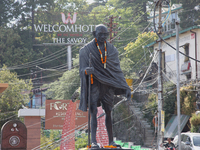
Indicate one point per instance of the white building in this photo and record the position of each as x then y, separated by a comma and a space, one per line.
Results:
188, 42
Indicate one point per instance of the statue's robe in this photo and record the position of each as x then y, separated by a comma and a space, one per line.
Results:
111, 76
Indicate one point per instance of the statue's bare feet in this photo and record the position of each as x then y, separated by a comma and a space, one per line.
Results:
94, 145
114, 144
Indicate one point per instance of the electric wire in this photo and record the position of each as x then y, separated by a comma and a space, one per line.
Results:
38, 61
166, 41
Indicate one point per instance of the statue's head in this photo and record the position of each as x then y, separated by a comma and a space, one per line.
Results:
101, 33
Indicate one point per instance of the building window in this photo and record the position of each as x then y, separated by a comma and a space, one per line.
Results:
186, 48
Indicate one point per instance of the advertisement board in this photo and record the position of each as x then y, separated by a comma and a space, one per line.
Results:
55, 112
66, 29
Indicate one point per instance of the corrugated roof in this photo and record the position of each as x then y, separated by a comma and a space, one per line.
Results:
171, 130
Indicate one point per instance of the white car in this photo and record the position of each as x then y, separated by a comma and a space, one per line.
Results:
189, 141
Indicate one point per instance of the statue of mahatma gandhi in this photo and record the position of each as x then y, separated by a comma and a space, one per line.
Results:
107, 80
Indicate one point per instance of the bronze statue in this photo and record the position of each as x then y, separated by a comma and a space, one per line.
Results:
107, 80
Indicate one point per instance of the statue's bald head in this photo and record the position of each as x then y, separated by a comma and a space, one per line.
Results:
101, 33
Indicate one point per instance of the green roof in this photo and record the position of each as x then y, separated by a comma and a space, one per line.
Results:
174, 34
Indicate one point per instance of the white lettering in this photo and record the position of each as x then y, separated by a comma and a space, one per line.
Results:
59, 40
63, 28
70, 29
64, 106
54, 28
38, 27
51, 106
84, 40
49, 27
63, 40
68, 40
60, 28
79, 28
45, 28
91, 29
54, 39
85, 26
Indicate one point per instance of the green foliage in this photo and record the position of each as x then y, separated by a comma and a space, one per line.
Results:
187, 100
9, 10
169, 100
168, 103
189, 16
195, 123
49, 139
65, 86
81, 142
135, 50
16, 95
126, 65
151, 107
12, 50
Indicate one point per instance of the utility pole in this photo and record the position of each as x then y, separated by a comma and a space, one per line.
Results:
112, 26
69, 57
160, 84
178, 85
32, 24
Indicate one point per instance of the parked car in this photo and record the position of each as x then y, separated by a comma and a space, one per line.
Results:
189, 141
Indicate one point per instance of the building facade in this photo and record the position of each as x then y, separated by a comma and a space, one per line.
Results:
188, 44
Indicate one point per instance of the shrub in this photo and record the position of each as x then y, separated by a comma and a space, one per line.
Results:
195, 122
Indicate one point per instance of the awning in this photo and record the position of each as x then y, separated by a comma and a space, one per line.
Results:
171, 130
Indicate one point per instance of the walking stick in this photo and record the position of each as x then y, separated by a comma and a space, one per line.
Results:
89, 87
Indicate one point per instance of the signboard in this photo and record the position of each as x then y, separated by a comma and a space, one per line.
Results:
56, 112
66, 30
162, 121
14, 136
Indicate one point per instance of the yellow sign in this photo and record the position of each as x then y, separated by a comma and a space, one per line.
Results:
130, 84
162, 121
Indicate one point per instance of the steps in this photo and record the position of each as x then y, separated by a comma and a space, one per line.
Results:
150, 138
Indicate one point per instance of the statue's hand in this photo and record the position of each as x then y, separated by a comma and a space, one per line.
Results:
128, 94
89, 70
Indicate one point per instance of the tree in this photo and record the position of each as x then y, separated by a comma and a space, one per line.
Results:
189, 16
9, 11
65, 86
195, 123
187, 100
12, 49
81, 142
126, 65
136, 51
14, 97
50, 139
134, 19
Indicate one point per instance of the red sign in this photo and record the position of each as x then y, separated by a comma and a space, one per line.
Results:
192, 35
56, 112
